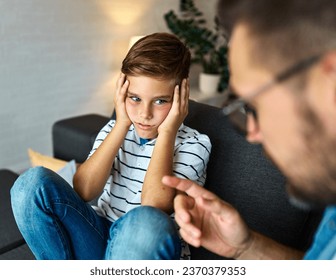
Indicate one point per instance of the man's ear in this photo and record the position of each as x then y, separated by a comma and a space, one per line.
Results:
329, 64
329, 68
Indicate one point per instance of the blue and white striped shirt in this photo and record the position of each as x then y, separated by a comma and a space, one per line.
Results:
122, 191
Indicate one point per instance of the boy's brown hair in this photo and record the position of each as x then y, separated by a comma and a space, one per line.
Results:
159, 55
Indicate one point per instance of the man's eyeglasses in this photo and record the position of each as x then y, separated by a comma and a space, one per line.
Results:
238, 109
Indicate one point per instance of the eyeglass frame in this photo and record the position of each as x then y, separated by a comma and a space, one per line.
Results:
242, 102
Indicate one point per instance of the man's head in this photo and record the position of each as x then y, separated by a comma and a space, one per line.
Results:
294, 117
153, 66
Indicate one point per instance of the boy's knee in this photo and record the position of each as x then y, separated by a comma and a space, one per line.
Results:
147, 232
27, 185
147, 220
37, 173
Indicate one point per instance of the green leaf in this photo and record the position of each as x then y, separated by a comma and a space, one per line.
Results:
208, 47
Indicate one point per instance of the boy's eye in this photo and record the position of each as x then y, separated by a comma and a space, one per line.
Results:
160, 101
135, 99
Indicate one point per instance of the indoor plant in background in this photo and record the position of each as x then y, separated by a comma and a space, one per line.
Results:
208, 46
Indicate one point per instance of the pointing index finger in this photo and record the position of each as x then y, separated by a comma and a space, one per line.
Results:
187, 186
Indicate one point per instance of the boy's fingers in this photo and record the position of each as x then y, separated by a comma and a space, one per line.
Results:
125, 86
185, 95
185, 85
177, 94
188, 87
120, 81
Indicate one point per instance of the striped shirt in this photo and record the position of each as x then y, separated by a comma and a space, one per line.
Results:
122, 191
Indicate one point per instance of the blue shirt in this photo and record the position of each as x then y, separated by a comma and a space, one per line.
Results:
324, 244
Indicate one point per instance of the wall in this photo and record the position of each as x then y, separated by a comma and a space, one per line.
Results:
59, 59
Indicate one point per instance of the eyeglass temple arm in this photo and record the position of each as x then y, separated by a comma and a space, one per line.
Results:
279, 78
297, 68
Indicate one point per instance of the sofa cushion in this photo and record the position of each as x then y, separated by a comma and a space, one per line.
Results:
19, 253
10, 236
52, 163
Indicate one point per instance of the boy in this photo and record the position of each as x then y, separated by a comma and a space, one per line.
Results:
129, 158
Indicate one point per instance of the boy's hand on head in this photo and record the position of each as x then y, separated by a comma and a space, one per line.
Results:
120, 101
179, 109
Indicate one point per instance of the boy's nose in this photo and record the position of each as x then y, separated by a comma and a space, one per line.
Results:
146, 111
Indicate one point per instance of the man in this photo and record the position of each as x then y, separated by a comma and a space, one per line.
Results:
283, 72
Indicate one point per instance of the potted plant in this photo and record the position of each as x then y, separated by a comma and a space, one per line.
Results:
208, 46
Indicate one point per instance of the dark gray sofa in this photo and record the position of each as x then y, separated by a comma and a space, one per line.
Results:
12, 245
237, 172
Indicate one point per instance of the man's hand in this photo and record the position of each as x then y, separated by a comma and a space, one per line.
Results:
207, 221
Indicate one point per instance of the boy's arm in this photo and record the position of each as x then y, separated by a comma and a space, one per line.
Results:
91, 177
154, 192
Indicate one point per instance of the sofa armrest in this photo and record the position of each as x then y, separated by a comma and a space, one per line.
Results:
10, 236
72, 138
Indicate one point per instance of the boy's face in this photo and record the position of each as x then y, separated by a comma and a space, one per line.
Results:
148, 103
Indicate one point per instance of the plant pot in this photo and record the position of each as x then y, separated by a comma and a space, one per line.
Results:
208, 83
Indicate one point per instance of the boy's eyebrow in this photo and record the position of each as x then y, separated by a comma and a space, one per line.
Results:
129, 92
163, 96
154, 97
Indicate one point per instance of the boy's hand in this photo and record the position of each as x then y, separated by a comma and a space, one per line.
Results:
178, 111
120, 101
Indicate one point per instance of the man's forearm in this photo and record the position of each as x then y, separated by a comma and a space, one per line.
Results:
264, 248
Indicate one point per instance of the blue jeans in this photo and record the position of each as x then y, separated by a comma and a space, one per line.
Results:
57, 224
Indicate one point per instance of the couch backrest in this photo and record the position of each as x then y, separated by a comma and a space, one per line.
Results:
239, 173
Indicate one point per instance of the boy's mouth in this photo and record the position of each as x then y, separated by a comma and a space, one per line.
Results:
144, 126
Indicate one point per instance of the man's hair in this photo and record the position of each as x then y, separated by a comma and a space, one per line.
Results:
283, 32
159, 55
